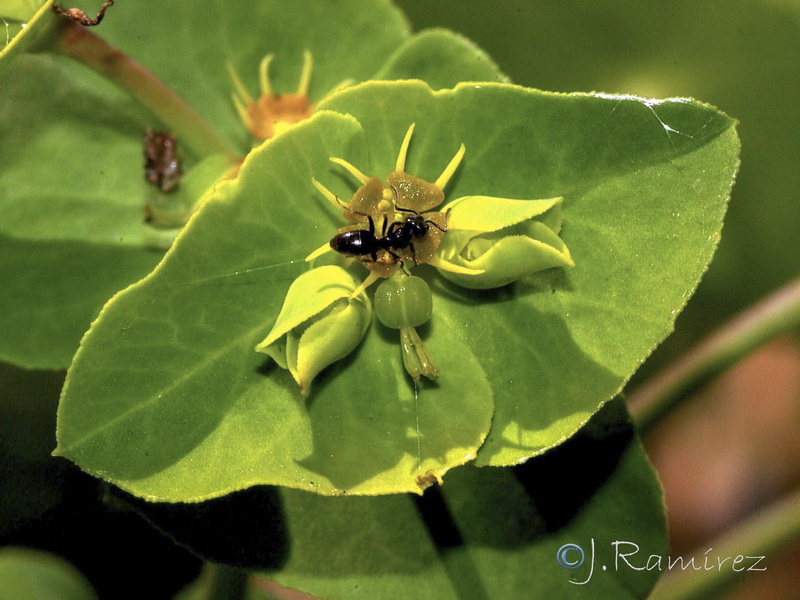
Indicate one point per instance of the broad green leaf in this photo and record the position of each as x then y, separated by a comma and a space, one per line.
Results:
24, 23
645, 186
34, 575
641, 215
168, 379
486, 533
72, 144
442, 59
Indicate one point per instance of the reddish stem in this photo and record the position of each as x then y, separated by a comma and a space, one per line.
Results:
169, 108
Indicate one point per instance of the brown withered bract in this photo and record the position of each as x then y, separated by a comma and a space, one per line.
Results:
77, 15
162, 165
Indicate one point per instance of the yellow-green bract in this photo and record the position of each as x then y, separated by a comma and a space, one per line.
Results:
501, 240
320, 322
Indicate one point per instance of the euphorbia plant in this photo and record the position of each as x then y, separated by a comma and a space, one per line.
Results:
574, 228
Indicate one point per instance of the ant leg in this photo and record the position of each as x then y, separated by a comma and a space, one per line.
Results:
347, 208
371, 223
403, 267
398, 207
392, 228
408, 210
383, 229
329, 195
335, 200
413, 253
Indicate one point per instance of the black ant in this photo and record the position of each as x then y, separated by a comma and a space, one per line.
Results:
400, 235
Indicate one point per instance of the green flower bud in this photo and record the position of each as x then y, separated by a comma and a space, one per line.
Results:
416, 358
491, 242
320, 322
403, 301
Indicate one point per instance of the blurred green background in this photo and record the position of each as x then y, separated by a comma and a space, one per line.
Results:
742, 57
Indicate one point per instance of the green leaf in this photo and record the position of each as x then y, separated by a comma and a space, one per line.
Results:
491, 533
33, 575
55, 289
24, 24
442, 59
645, 186
168, 379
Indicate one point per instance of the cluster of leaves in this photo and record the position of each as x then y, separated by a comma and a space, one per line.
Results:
166, 397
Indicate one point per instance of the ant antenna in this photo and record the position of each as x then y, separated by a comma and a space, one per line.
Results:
329, 195
396, 205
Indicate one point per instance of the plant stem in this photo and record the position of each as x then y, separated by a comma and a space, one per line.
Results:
774, 315
182, 120
765, 533
227, 583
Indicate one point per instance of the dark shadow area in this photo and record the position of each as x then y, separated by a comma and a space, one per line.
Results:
437, 518
444, 532
244, 529
577, 468
48, 504
537, 498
